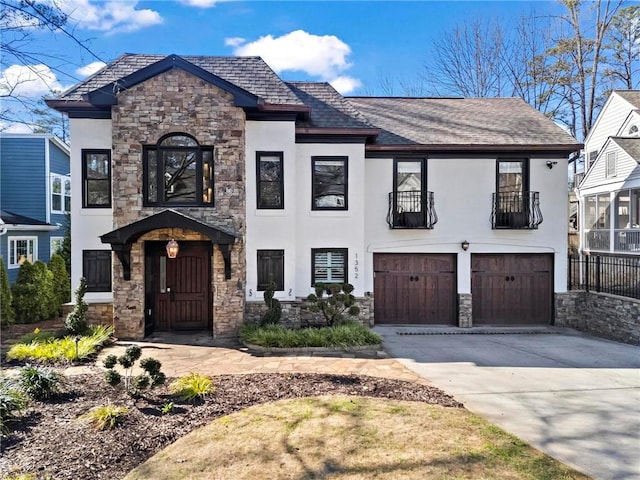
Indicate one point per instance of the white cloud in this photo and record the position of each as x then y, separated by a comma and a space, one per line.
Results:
324, 56
15, 128
28, 81
111, 17
233, 41
199, 3
345, 85
90, 69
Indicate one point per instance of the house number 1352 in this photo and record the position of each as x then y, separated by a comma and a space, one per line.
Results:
355, 267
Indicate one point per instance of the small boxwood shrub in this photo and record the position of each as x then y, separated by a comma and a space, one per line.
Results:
134, 385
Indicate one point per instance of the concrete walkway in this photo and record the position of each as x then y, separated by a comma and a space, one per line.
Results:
575, 397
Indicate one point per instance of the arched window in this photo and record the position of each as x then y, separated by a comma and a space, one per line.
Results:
633, 130
178, 171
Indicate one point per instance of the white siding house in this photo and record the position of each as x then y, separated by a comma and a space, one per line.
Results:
437, 211
609, 193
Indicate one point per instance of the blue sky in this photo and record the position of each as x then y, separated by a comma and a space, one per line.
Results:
352, 45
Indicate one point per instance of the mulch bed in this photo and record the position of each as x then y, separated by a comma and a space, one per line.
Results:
49, 442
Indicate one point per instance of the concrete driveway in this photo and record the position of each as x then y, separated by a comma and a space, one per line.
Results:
575, 397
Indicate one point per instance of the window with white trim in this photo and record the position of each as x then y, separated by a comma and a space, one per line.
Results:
328, 265
611, 164
55, 245
22, 249
60, 193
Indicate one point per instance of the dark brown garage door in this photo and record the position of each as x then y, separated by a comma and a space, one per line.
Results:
512, 289
415, 288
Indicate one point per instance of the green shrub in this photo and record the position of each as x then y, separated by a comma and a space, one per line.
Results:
27, 303
348, 334
167, 408
76, 321
61, 282
39, 383
105, 417
134, 385
6, 311
61, 349
191, 387
44, 283
12, 401
338, 302
39, 336
274, 309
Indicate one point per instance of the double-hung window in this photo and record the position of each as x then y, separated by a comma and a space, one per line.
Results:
22, 249
329, 183
60, 194
270, 180
96, 178
178, 171
270, 269
96, 269
329, 265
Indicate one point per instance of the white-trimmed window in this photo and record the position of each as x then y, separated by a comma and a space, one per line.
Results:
22, 249
55, 245
611, 164
328, 265
60, 193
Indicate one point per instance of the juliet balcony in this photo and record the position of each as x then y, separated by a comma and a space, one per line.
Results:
516, 211
412, 209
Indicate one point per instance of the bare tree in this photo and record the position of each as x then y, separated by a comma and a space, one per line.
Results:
467, 60
623, 45
20, 21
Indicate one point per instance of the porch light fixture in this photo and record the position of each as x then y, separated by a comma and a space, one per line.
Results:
172, 248
465, 245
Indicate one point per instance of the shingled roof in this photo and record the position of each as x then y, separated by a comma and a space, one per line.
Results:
329, 109
631, 96
629, 145
461, 121
249, 73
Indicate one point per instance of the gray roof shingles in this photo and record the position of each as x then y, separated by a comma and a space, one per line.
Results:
404, 121
629, 145
460, 121
631, 96
249, 73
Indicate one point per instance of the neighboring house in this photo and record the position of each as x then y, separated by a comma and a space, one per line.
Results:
35, 194
609, 193
438, 211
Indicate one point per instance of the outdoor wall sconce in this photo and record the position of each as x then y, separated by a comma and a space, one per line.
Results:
465, 245
550, 164
172, 248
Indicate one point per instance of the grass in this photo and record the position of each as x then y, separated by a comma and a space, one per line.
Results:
54, 350
105, 417
191, 387
339, 437
342, 336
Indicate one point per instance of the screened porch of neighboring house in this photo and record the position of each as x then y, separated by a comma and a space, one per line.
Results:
612, 222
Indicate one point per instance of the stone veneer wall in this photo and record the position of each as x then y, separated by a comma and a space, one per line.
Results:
296, 315
600, 314
465, 317
178, 102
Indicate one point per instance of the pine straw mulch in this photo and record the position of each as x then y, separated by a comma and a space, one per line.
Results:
49, 442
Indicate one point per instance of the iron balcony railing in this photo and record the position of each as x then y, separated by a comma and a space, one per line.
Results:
411, 210
516, 210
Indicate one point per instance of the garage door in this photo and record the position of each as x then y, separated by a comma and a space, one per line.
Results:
415, 288
512, 289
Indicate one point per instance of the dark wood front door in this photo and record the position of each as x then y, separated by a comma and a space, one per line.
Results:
414, 288
178, 289
512, 289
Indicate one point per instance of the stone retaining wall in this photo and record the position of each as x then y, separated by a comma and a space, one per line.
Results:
600, 314
296, 315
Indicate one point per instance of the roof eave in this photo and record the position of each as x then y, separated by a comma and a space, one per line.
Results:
560, 148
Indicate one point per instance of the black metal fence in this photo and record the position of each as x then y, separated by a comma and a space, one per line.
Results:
618, 275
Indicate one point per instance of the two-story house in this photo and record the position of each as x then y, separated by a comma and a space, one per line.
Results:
35, 196
438, 211
609, 193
